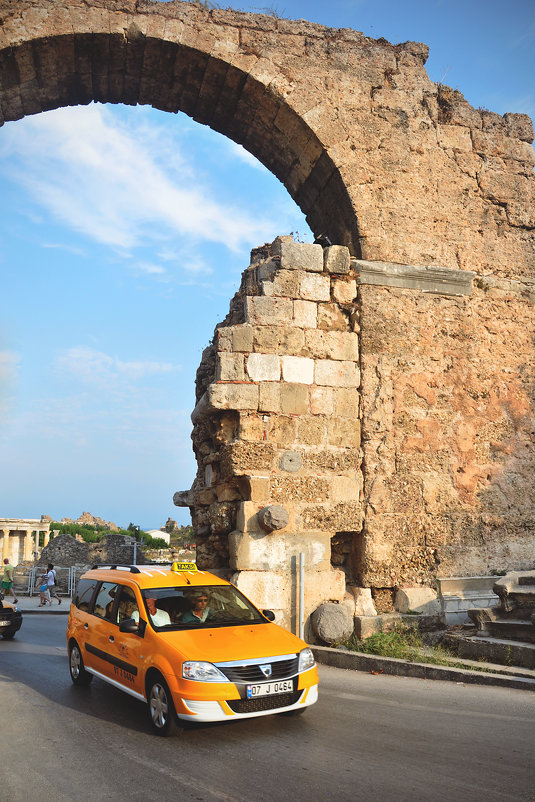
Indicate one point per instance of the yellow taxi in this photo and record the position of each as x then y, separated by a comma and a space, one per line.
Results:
187, 643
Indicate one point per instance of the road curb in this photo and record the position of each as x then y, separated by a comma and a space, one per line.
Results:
373, 664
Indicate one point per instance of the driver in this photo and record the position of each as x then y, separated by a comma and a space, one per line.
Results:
158, 617
199, 608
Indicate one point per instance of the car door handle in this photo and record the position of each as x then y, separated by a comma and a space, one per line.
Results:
111, 639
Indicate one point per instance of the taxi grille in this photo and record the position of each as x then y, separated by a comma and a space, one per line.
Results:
263, 703
280, 669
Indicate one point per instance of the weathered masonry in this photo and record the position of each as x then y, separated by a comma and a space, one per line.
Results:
385, 403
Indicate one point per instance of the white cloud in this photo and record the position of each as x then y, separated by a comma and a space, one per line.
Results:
150, 269
119, 186
95, 367
9, 371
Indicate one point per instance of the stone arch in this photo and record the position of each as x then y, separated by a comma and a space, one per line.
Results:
135, 66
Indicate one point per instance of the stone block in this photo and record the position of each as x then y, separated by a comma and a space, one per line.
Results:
332, 318
339, 345
344, 292
322, 400
417, 600
246, 518
276, 551
336, 259
242, 338
298, 255
314, 287
312, 431
229, 367
305, 314
278, 340
366, 625
269, 397
283, 429
364, 605
267, 589
346, 488
233, 396
333, 373
268, 311
255, 488
294, 399
263, 367
251, 427
286, 283
299, 370
343, 432
347, 401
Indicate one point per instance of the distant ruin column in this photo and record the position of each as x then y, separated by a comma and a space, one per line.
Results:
4, 534
28, 545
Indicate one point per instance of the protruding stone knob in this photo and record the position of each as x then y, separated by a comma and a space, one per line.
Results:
273, 517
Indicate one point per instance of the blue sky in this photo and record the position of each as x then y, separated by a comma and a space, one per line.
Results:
123, 235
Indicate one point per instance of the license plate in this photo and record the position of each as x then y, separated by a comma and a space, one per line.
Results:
5, 623
269, 688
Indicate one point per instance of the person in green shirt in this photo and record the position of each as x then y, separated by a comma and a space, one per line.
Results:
7, 581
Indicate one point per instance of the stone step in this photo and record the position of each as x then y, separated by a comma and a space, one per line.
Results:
515, 656
512, 629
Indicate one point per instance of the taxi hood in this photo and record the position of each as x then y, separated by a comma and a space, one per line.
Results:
226, 644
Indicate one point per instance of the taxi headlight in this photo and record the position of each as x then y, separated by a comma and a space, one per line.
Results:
306, 660
202, 672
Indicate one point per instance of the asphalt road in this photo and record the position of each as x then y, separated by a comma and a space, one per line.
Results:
368, 738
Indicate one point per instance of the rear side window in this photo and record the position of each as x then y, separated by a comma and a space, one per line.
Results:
84, 593
105, 600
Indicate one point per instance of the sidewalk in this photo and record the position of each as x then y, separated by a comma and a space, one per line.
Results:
30, 604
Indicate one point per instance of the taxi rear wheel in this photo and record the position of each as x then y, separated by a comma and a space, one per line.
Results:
161, 708
76, 666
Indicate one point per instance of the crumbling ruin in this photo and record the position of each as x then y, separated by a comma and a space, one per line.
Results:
399, 431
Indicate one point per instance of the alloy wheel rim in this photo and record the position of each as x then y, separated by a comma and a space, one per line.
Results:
75, 662
158, 706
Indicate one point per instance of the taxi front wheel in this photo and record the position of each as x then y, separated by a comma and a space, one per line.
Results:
76, 666
161, 708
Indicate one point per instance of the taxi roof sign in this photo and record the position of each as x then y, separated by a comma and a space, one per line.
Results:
176, 566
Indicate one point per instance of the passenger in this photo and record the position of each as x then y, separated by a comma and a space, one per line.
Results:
200, 610
127, 607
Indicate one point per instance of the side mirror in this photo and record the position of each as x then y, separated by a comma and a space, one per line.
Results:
269, 614
129, 625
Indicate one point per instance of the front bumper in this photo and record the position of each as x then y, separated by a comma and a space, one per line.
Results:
204, 711
205, 701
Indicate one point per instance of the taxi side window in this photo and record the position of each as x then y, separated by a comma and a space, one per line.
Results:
84, 594
127, 606
105, 600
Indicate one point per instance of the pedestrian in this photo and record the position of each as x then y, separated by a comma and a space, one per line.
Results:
44, 593
51, 581
7, 581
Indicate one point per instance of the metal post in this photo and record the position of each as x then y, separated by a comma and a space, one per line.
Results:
301, 595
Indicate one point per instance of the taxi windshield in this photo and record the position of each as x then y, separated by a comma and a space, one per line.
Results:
199, 606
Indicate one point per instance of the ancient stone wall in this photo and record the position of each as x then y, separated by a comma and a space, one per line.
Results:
277, 430
65, 550
318, 348
448, 431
